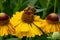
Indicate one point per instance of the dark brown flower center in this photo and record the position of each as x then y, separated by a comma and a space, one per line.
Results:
52, 18
4, 18
28, 16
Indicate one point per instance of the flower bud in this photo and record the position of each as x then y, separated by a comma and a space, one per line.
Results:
56, 35
4, 18
52, 18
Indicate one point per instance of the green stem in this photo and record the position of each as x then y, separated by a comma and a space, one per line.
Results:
1, 6
55, 6
48, 3
44, 14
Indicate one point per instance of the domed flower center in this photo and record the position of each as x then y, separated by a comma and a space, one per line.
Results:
28, 16
4, 18
52, 18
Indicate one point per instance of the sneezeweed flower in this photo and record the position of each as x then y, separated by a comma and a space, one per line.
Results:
5, 25
23, 21
51, 23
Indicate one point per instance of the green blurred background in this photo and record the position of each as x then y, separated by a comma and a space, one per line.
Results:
43, 7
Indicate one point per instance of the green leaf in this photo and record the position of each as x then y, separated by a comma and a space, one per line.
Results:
12, 39
1, 6
32, 2
40, 10
42, 37
43, 3
0, 38
24, 5
20, 5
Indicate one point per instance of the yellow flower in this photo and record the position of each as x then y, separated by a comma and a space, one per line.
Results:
5, 26
23, 22
50, 24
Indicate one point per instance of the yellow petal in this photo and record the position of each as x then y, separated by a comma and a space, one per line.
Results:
23, 27
11, 29
3, 30
36, 30
36, 18
37, 23
30, 33
16, 18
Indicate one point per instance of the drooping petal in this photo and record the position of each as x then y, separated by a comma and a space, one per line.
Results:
3, 30
50, 27
16, 18
36, 30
